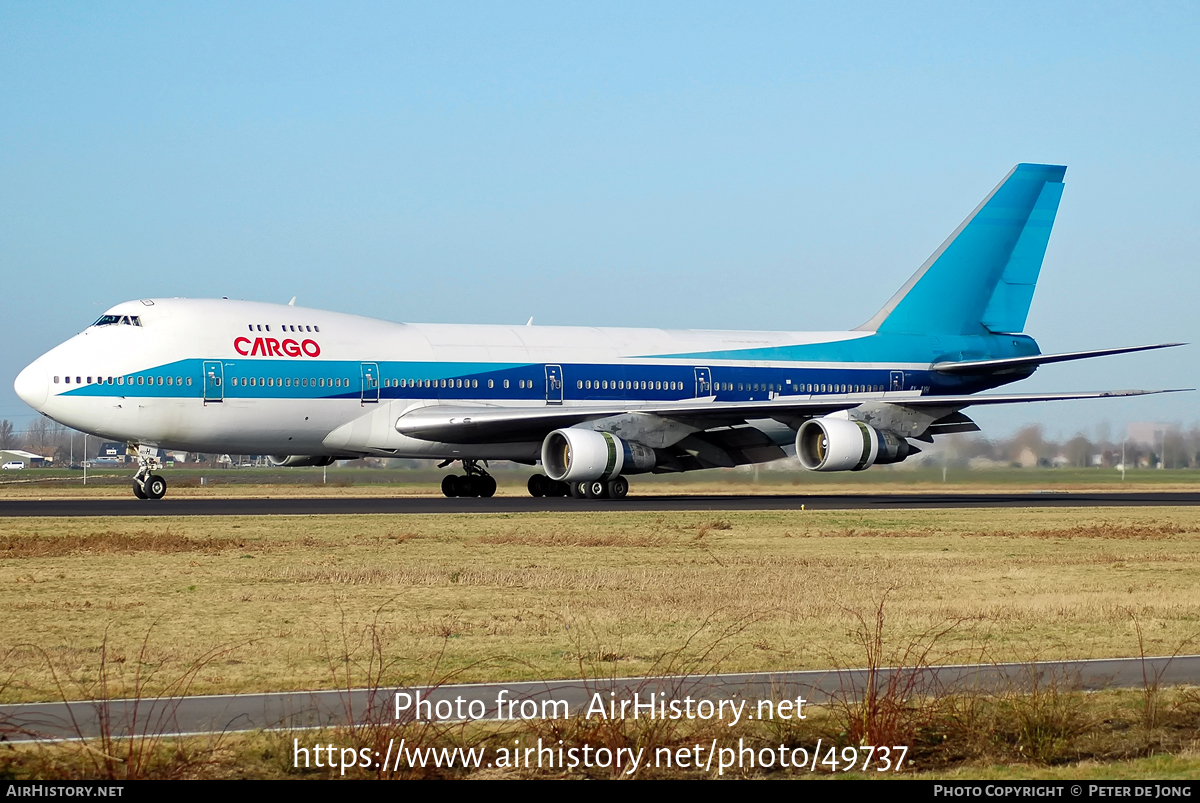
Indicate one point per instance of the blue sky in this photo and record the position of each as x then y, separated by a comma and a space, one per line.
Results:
683, 165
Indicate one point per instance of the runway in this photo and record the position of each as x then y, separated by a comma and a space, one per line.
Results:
340, 506
572, 697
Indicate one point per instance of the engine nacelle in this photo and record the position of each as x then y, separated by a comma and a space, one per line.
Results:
301, 460
581, 455
834, 443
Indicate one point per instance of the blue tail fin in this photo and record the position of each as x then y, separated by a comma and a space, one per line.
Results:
982, 278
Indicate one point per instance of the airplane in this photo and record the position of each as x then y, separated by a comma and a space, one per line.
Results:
592, 405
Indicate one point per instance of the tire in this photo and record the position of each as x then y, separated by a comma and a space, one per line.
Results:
156, 487
579, 490
487, 486
449, 486
595, 489
618, 488
138, 492
465, 485
559, 488
537, 486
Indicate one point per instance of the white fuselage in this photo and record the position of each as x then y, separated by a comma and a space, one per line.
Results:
223, 376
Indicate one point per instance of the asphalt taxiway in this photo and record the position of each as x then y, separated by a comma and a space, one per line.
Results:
223, 713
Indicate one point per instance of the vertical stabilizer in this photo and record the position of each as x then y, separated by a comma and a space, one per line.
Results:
982, 277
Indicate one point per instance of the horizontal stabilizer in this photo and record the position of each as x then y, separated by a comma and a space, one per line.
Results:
1019, 398
1017, 364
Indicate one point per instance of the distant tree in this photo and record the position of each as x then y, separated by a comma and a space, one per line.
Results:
8, 436
37, 435
1079, 451
1032, 438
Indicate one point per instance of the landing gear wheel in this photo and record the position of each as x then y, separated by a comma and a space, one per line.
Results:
137, 490
156, 487
595, 489
486, 486
579, 490
449, 486
464, 485
538, 487
618, 488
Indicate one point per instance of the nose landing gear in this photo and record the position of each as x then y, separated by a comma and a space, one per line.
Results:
475, 482
147, 484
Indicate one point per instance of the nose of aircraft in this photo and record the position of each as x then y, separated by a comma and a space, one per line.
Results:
31, 386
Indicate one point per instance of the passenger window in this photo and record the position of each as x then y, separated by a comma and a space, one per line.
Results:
506, 384
491, 383
474, 383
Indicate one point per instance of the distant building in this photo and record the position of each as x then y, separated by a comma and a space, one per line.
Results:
1148, 433
30, 459
112, 451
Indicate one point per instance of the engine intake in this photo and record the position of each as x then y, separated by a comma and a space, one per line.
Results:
838, 444
581, 455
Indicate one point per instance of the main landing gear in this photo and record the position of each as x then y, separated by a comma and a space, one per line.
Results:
147, 484
616, 488
476, 481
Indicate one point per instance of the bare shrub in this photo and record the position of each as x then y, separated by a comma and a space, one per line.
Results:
897, 697
697, 657
362, 670
135, 732
1044, 719
1151, 678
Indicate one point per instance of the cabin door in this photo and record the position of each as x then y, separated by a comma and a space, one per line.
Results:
370, 382
214, 371
554, 384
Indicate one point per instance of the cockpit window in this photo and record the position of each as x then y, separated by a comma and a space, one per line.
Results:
122, 320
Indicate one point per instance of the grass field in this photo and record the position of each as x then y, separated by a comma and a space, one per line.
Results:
496, 597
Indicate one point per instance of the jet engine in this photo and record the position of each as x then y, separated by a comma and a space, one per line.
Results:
838, 444
580, 455
301, 460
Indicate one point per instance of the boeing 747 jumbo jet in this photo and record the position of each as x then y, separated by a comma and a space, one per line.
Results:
592, 405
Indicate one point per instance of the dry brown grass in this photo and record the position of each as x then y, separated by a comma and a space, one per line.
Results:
110, 542
1026, 584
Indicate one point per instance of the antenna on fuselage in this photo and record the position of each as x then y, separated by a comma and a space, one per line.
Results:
530, 321
292, 303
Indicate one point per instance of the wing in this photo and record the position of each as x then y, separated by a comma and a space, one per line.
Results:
499, 424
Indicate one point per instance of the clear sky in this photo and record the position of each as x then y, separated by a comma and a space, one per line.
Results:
682, 165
